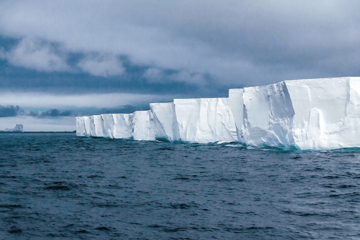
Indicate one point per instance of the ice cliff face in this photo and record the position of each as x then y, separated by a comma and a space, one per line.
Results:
306, 114
268, 114
165, 121
143, 126
326, 112
123, 126
205, 120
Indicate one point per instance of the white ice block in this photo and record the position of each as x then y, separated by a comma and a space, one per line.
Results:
165, 121
123, 126
236, 104
205, 120
326, 112
80, 127
87, 123
108, 125
143, 125
352, 123
268, 116
96, 126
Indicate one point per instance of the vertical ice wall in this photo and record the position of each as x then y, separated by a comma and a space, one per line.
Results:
352, 122
143, 125
236, 104
325, 112
165, 121
80, 127
205, 120
105, 125
123, 126
108, 125
96, 126
87, 123
187, 115
268, 115
83, 126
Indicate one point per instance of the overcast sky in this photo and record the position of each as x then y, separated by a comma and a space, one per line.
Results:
63, 58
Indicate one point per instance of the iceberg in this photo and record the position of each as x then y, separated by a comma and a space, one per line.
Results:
17, 128
307, 114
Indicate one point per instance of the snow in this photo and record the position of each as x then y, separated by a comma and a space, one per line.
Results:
308, 114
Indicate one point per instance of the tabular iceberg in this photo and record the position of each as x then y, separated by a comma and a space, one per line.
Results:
305, 114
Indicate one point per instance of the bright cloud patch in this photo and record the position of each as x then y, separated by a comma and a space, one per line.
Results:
154, 75
103, 66
110, 100
157, 75
34, 54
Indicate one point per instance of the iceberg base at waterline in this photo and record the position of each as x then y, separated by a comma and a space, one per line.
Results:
307, 114
17, 128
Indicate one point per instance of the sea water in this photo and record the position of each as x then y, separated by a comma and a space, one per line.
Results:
64, 187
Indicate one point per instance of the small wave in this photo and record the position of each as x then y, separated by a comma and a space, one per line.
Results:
102, 229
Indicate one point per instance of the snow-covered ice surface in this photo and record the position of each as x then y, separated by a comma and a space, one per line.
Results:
309, 114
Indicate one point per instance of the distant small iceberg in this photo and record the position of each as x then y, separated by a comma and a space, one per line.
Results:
18, 128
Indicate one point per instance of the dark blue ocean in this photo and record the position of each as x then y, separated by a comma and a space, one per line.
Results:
59, 186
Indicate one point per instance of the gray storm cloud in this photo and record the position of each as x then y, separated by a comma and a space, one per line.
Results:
244, 42
31, 53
